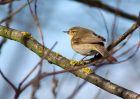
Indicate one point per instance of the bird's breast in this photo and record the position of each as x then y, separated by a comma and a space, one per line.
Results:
84, 49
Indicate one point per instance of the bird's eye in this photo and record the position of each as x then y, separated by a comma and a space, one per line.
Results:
73, 31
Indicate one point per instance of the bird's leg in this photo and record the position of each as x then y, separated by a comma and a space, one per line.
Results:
97, 55
83, 58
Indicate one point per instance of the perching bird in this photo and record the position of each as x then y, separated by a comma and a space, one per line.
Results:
88, 43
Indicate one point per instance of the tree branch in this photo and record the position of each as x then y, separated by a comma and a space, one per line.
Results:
27, 40
121, 38
99, 4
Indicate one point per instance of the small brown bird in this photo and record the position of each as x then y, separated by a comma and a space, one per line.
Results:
87, 43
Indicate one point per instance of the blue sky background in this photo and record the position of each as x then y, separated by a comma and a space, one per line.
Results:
56, 16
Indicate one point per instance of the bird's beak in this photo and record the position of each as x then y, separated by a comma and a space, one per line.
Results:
66, 32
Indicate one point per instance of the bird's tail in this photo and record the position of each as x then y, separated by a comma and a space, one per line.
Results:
111, 59
103, 51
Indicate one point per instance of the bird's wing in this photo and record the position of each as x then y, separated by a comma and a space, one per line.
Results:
90, 38
99, 37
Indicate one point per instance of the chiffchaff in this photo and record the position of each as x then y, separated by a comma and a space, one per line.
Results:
87, 43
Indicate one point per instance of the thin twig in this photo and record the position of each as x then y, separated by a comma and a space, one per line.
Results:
8, 81
100, 4
21, 83
54, 85
15, 12
122, 45
105, 23
122, 37
137, 48
44, 74
74, 93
